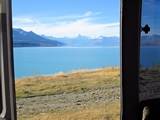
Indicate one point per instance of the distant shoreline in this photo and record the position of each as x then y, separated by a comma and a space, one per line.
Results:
67, 47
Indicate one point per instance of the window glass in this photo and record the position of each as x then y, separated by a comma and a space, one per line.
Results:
150, 51
67, 58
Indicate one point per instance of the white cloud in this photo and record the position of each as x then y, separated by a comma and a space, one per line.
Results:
83, 25
23, 20
88, 13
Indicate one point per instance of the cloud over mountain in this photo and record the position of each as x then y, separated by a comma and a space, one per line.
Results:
85, 24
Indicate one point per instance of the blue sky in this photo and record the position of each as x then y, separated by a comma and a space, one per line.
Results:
68, 18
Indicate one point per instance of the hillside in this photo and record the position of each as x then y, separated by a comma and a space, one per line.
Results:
81, 95
22, 38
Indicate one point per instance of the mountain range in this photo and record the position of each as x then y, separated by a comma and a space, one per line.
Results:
23, 38
82, 41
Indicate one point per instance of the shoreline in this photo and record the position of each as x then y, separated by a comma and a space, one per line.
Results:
53, 84
71, 47
67, 73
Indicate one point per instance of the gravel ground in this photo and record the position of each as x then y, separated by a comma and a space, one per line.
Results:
43, 104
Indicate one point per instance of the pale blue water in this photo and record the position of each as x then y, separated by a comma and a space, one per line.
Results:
31, 61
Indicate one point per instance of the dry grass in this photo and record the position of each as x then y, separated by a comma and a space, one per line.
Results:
75, 82
97, 112
66, 83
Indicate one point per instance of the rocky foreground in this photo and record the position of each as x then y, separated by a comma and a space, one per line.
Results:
81, 95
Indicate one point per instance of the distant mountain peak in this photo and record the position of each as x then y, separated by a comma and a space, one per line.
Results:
31, 32
24, 38
18, 29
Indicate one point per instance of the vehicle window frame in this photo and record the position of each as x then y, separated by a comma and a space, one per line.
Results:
130, 53
7, 66
130, 37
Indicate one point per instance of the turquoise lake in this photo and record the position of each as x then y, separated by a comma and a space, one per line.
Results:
35, 61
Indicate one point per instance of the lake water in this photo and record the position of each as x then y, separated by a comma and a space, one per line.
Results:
33, 61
